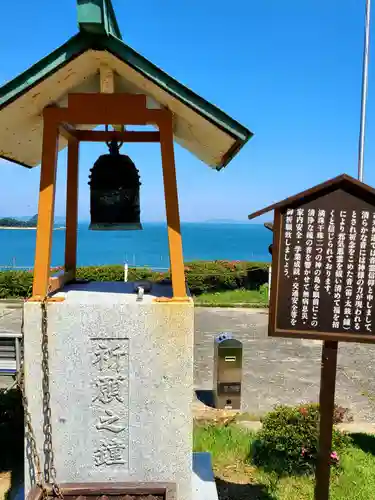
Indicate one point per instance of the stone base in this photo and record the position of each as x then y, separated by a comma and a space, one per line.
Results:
203, 484
121, 385
203, 481
93, 491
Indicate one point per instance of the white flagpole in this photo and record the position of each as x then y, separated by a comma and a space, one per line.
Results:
361, 145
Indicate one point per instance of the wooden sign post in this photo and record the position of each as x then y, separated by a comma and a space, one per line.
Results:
323, 282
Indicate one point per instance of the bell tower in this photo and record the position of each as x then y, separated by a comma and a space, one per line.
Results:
114, 368
114, 179
96, 79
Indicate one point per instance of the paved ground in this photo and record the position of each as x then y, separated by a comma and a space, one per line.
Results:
283, 370
10, 317
275, 370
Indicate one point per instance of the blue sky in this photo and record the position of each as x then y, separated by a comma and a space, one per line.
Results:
289, 71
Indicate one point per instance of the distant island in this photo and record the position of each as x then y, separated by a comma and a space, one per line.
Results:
12, 223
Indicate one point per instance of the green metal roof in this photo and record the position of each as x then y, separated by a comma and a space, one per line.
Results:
97, 16
99, 32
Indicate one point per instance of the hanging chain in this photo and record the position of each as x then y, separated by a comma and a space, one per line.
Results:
29, 427
20, 382
120, 143
49, 467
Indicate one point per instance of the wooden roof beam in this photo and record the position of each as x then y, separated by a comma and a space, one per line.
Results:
67, 131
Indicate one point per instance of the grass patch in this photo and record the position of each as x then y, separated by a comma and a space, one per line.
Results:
231, 298
238, 479
225, 443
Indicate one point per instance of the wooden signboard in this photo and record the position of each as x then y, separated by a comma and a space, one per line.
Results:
323, 262
323, 282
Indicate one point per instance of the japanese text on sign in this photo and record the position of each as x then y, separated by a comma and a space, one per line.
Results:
327, 269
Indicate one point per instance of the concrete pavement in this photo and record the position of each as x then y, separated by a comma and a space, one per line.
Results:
283, 371
275, 370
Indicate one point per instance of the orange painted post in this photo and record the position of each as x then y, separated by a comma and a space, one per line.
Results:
72, 207
171, 204
46, 205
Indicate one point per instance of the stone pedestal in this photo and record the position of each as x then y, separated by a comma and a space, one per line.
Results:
121, 385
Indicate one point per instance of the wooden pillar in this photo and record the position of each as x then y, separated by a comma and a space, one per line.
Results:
171, 204
46, 205
327, 405
72, 207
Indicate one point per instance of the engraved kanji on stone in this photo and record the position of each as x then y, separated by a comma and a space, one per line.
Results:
108, 389
110, 453
108, 357
108, 422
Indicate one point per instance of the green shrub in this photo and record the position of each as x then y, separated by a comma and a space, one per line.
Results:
289, 439
201, 276
340, 414
15, 284
215, 276
115, 273
101, 273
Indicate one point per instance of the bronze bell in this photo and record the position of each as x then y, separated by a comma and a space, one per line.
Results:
114, 192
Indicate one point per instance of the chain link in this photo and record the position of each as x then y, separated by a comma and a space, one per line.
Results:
49, 466
20, 382
29, 427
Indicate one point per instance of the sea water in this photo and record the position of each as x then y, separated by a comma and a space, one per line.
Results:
201, 241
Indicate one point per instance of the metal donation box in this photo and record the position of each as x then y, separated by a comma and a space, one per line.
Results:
227, 372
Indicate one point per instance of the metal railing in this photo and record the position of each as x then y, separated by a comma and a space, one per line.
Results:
15, 268
10, 352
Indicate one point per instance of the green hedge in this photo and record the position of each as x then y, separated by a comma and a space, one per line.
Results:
15, 284
215, 276
288, 442
202, 276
